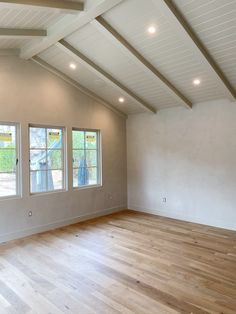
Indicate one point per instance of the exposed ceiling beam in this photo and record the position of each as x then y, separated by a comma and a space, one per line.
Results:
72, 82
58, 4
110, 32
67, 25
20, 32
65, 46
180, 24
9, 52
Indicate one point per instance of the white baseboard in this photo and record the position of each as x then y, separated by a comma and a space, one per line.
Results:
58, 224
214, 223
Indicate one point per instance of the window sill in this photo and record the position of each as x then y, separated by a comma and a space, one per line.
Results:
48, 192
95, 186
10, 198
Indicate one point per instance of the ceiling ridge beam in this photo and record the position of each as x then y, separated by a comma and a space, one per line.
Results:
67, 25
59, 4
101, 22
72, 82
169, 9
22, 32
105, 75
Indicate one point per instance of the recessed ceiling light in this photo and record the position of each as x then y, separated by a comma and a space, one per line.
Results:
152, 29
121, 99
196, 82
73, 66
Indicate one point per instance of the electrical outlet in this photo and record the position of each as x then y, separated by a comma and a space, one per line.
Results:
164, 199
30, 213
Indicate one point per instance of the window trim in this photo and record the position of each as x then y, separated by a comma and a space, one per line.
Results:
18, 194
64, 156
99, 159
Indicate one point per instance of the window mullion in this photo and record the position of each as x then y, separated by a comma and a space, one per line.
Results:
46, 131
17, 160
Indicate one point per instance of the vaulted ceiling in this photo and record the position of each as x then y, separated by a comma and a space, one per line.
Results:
104, 48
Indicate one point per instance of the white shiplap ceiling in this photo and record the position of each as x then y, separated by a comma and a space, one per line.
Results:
14, 16
215, 24
117, 57
117, 64
86, 77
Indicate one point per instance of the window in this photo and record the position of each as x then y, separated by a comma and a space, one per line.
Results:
46, 159
86, 158
9, 165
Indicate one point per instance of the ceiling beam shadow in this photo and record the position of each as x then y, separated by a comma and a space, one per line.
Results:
65, 46
104, 26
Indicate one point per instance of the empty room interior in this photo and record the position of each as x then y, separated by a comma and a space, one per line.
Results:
118, 157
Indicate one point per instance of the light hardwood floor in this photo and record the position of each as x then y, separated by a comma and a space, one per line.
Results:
122, 263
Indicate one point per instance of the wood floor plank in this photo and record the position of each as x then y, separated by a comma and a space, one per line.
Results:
129, 263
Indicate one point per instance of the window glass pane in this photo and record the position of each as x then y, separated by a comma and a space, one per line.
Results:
92, 175
91, 140
78, 139
46, 159
8, 166
75, 178
38, 160
7, 136
78, 158
83, 176
55, 180
7, 160
37, 138
38, 181
7, 184
55, 159
54, 138
91, 158
85, 160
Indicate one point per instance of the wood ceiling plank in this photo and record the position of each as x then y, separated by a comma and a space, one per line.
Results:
20, 32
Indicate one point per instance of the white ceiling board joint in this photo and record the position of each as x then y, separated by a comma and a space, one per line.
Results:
72, 82
185, 31
20, 32
66, 47
67, 25
129, 50
52, 4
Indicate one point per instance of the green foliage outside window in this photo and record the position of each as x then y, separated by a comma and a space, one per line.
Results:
7, 158
78, 140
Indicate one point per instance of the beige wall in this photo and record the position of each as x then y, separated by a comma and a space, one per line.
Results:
29, 94
187, 157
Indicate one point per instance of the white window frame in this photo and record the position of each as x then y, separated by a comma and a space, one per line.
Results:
18, 162
64, 158
99, 159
